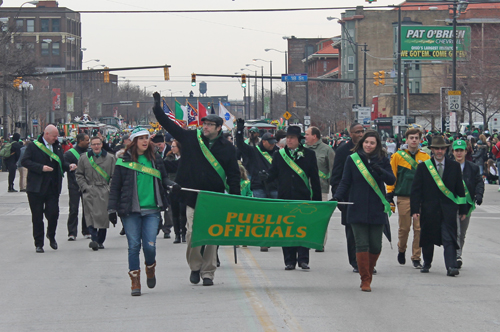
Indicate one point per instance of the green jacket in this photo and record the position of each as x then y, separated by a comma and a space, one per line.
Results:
404, 172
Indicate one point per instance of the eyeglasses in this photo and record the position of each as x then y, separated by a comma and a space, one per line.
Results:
359, 132
440, 148
209, 124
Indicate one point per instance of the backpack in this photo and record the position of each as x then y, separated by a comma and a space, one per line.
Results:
5, 152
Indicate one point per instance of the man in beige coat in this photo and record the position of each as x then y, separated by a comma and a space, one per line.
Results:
324, 158
94, 172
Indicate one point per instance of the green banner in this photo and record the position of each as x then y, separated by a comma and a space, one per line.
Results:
433, 42
221, 219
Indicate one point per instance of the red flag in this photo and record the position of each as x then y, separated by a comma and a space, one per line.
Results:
202, 112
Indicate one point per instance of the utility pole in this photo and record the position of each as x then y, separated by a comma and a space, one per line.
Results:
398, 85
364, 74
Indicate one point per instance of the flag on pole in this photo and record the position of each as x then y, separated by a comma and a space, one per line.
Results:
226, 116
170, 114
202, 112
192, 115
180, 111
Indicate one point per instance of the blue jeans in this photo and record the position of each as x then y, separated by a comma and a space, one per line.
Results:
141, 229
261, 193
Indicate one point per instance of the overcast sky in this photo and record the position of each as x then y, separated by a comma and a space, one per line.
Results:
212, 43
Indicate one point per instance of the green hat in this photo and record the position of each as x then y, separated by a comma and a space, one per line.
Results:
459, 144
139, 131
254, 130
425, 143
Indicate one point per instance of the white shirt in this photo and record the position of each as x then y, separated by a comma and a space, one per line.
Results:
439, 162
391, 147
49, 146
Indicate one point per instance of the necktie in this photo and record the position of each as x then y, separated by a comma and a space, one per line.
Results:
440, 169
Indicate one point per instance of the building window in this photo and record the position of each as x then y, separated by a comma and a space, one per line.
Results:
45, 49
417, 87
20, 25
44, 25
350, 63
410, 85
351, 89
55, 48
417, 66
30, 25
56, 25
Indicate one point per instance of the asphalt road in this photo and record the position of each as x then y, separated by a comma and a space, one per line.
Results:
77, 289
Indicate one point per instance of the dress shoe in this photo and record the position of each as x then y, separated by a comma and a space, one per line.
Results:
355, 269
290, 267
39, 250
264, 249
22, 190
122, 232
12, 190
402, 258
177, 239
183, 236
416, 264
459, 262
166, 236
304, 266
100, 246
320, 250
452, 271
94, 245
53, 244
208, 282
71, 238
194, 278
425, 268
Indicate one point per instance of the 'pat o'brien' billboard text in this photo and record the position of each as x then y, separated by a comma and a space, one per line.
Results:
433, 42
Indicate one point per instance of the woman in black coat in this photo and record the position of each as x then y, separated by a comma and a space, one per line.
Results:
367, 215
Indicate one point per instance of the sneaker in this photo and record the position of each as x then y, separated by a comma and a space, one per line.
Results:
416, 264
87, 236
452, 271
194, 278
402, 258
208, 282
459, 262
71, 238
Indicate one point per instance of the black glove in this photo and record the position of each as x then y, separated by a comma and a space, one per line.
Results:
113, 218
390, 197
176, 189
376, 167
157, 99
479, 199
341, 207
240, 124
263, 175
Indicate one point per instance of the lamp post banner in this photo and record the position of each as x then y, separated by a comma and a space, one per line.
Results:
221, 219
70, 102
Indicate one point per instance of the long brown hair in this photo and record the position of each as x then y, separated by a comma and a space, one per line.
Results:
149, 153
378, 150
179, 147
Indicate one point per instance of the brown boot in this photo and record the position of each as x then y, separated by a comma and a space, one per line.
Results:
373, 261
363, 260
135, 276
150, 274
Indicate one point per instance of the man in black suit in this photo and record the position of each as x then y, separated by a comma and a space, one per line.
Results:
45, 163
475, 186
294, 185
356, 131
11, 162
437, 196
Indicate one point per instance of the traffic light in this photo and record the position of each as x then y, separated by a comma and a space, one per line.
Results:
381, 77
370, 1
17, 82
209, 105
138, 105
376, 78
294, 104
166, 73
193, 79
243, 80
106, 75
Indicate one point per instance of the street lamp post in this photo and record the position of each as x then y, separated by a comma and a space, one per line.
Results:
254, 89
24, 87
262, 82
286, 71
270, 83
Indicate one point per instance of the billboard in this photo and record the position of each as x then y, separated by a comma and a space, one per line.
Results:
433, 42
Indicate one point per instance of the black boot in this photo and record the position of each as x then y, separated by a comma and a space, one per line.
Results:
183, 237
177, 238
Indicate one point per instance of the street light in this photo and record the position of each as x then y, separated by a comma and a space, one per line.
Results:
96, 60
255, 90
24, 87
97, 66
262, 75
286, 71
270, 82
27, 2
149, 86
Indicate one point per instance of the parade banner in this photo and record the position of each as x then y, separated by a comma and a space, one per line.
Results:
221, 219
70, 102
56, 99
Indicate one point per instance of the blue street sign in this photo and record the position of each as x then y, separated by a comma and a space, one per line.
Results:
293, 77
35, 121
226, 104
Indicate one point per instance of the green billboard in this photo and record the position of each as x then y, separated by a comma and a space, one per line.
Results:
433, 42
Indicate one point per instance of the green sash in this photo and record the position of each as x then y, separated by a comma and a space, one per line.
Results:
371, 181
211, 159
98, 168
266, 155
296, 168
408, 159
75, 153
323, 175
469, 200
139, 168
440, 184
50, 154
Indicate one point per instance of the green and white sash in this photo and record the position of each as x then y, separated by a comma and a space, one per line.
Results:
440, 184
323, 175
211, 159
266, 155
98, 168
371, 181
75, 153
139, 168
300, 172
408, 158
469, 200
50, 154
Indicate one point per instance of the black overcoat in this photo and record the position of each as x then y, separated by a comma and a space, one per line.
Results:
434, 207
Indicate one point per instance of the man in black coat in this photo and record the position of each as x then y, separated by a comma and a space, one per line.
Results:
293, 186
437, 211
475, 185
356, 131
45, 163
196, 172
10, 162
71, 157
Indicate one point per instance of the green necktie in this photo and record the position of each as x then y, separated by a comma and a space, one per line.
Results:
440, 170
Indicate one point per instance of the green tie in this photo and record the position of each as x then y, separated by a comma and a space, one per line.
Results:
440, 170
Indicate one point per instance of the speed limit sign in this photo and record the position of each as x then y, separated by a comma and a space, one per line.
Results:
454, 101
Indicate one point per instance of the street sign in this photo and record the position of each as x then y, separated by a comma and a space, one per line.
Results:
364, 115
293, 77
454, 101
287, 115
398, 120
34, 121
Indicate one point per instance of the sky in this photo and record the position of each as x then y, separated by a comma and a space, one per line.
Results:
208, 43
